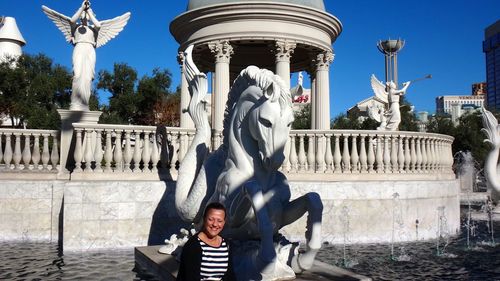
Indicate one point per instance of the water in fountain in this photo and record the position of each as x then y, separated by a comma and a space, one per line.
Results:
398, 228
345, 216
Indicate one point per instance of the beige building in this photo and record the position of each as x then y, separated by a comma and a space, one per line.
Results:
444, 104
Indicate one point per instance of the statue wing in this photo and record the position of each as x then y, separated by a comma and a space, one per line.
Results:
61, 21
110, 28
379, 90
374, 112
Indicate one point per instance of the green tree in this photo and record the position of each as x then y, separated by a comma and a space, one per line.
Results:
153, 94
33, 90
302, 118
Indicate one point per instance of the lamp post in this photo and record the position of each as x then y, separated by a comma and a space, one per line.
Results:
390, 49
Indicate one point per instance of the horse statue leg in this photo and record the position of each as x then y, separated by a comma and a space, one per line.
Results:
266, 262
310, 203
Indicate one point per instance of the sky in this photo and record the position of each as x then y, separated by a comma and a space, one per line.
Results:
443, 38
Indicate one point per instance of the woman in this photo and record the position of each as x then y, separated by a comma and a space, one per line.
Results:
206, 255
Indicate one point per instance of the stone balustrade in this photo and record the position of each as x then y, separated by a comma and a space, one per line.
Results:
35, 151
128, 152
352, 154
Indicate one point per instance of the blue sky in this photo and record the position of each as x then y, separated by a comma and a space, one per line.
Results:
443, 38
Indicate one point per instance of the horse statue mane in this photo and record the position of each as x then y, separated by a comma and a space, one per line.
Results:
243, 173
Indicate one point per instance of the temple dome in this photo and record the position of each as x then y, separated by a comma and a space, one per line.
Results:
316, 4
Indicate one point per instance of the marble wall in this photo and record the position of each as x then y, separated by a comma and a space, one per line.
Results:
113, 214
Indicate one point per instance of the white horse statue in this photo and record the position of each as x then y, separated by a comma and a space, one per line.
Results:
243, 173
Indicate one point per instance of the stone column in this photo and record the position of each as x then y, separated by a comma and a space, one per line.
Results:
322, 100
283, 51
186, 121
312, 102
222, 51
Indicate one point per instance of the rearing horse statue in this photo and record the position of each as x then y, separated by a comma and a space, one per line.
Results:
491, 167
243, 173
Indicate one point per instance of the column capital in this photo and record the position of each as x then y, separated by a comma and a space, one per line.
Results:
323, 60
283, 50
222, 50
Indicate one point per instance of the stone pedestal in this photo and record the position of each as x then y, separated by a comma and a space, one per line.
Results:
68, 117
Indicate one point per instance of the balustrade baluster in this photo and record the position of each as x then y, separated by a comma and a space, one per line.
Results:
424, 154
302, 154
293, 155
362, 154
78, 155
311, 161
320, 154
379, 156
328, 154
155, 154
146, 153
17, 152
371, 155
387, 155
54, 156
127, 153
407, 155
413, 154
27, 151
401, 155
354, 154
137, 152
36, 153
98, 153
394, 155
89, 156
430, 158
174, 156
46, 152
337, 157
433, 155
118, 154
346, 158
418, 164
182, 145
7, 156
108, 152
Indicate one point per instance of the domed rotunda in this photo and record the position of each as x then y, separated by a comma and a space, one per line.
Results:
283, 36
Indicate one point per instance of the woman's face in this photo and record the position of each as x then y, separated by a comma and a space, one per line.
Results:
214, 222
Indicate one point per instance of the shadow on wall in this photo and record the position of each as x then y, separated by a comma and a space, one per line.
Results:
165, 220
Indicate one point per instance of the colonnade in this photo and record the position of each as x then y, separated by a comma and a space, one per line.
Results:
283, 50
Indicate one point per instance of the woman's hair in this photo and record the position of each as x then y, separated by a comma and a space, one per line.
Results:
214, 206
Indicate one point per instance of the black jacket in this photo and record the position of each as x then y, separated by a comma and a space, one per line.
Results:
189, 269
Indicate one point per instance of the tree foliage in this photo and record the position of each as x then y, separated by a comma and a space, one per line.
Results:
32, 89
145, 101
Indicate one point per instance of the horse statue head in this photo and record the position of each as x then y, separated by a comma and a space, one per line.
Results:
260, 114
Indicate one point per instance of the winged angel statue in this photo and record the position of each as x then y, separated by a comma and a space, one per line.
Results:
388, 95
85, 38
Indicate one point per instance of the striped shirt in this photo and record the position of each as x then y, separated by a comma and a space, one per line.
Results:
214, 261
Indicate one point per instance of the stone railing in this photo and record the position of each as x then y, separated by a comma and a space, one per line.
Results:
29, 151
346, 154
127, 152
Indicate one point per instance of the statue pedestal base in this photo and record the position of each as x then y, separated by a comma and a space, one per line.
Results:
68, 117
165, 267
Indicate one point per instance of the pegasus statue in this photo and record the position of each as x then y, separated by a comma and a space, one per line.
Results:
243, 173
86, 38
388, 95
491, 167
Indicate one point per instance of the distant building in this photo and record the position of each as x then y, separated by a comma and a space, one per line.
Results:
479, 89
491, 47
445, 104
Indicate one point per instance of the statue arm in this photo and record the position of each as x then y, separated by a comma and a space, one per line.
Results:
402, 91
97, 24
78, 13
